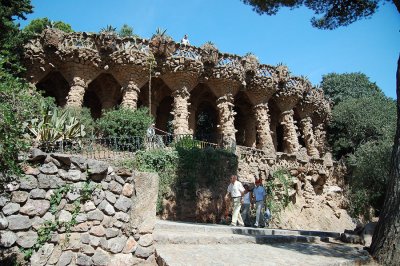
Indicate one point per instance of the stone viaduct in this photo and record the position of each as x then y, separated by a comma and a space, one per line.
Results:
189, 90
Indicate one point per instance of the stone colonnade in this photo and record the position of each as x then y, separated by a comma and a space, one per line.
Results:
276, 100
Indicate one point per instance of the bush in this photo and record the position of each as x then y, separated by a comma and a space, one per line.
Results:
124, 123
85, 118
369, 167
18, 103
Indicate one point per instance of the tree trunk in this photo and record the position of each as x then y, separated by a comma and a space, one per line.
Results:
385, 247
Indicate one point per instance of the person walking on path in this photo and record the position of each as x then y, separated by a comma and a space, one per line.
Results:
236, 191
246, 205
259, 197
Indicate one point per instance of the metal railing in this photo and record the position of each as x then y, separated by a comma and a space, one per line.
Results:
125, 147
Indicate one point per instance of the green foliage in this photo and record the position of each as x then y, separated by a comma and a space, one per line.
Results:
18, 103
85, 119
357, 121
339, 87
369, 167
11, 39
109, 29
125, 122
127, 31
55, 125
162, 34
333, 14
163, 162
204, 166
277, 190
37, 26
361, 131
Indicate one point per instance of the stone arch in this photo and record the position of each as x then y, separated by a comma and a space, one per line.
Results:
56, 86
104, 92
203, 118
159, 90
245, 123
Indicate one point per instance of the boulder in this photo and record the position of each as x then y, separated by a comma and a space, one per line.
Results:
123, 203
100, 257
19, 196
28, 182
27, 239
35, 207
48, 168
97, 170
11, 208
7, 239
19, 222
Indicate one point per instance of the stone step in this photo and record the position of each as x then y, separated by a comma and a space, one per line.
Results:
162, 225
196, 238
310, 254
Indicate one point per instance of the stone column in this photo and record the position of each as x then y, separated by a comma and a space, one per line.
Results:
263, 128
226, 117
308, 136
180, 111
130, 95
250, 136
181, 84
320, 137
289, 132
77, 92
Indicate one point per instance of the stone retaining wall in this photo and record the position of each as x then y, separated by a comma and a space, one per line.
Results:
103, 207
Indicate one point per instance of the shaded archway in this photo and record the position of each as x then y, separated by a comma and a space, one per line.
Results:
276, 127
104, 92
56, 86
203, 118
245, 123
164, 117
206, 122
159, 90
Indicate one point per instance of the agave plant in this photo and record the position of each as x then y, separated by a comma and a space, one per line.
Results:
55, 125
109, 30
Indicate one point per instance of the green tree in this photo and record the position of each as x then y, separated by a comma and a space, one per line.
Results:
357, 121
11, 39
18, 103
36, 26
348, 85
333, 13
127, 31
386, 239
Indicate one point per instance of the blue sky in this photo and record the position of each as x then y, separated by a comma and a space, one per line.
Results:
370, 46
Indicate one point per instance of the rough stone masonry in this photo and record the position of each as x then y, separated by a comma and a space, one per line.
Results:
113, 226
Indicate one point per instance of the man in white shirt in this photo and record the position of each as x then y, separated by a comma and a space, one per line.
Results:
236, 191
259, 197
185, 40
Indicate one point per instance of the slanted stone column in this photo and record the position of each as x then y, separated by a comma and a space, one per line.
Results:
77, 92
250, 137
308, 136
226, 117
263, 128
130, 95
320, 137
289, 132
180, 111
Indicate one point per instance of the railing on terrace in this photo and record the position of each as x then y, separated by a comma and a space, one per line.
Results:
125, 147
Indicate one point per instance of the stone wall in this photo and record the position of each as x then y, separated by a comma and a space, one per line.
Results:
101, 216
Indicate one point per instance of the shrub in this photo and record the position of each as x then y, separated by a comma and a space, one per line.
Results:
85, 118
18, 103
124, 123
